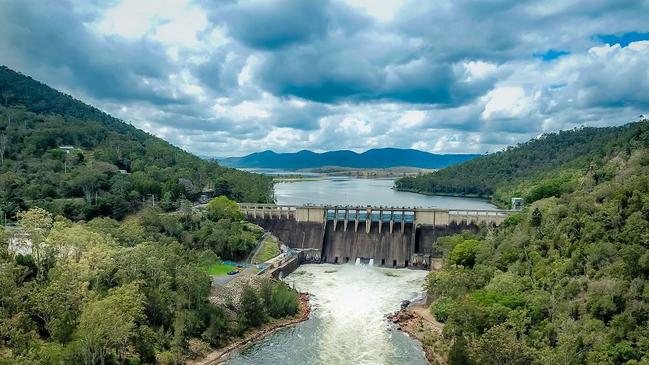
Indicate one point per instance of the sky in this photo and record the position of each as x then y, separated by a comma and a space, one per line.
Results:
227, 78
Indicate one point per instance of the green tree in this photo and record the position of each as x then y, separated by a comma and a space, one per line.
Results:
37, 223
109, 323
465, 253
223, 208
251, 312
500, 346
283, 301
442, 308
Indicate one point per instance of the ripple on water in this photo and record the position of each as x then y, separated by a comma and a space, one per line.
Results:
347, 324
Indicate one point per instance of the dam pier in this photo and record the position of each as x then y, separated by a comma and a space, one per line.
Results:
381, 236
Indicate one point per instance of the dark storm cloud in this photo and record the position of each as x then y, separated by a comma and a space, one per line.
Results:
54, 40
279, 23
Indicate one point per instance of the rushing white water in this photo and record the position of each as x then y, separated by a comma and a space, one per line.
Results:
347, 324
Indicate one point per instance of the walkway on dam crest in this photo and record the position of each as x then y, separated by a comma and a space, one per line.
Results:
417, 216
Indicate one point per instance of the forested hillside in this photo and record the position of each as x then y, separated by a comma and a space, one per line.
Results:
131, 292
545, 166
564, 282
112, 167
84, 282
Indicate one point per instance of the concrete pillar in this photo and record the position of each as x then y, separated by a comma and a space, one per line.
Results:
356, 221
335, 218
403, 221
380, 219
346, 220
368, 220
391, 221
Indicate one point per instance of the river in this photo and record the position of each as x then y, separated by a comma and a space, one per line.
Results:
347, 324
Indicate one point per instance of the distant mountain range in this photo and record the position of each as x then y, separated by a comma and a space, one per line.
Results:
374, 158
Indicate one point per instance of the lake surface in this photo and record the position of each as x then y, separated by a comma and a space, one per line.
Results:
361, 192
347, 324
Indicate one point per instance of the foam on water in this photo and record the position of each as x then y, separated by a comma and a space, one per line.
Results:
347, 325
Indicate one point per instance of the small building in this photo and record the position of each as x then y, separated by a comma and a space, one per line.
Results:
517, 204
67, 149
187, 184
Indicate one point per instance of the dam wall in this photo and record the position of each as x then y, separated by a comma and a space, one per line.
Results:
391, 237
393, 249
294, 234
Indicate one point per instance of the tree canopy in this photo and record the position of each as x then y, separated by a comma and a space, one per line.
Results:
540, 168
74, 160
566, 281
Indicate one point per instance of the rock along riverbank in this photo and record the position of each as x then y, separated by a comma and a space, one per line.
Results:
220, 355
420, 324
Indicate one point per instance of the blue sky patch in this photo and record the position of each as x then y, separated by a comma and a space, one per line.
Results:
551, 54
623, 39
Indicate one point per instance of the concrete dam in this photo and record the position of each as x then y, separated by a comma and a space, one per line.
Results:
391, 237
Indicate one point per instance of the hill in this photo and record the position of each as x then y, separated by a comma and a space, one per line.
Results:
374, 158
545, 166
565, 281
108, 168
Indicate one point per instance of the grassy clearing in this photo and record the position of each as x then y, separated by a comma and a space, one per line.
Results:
219, 269
269, 250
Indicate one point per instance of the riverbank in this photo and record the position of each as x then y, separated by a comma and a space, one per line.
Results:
220, 355
419, 323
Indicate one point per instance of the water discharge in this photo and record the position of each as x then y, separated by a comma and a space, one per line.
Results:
347, 324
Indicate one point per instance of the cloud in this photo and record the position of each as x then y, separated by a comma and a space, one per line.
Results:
45, 40
234, 77
275, 24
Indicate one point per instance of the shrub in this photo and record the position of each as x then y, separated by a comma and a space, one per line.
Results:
283, 301
464, 253
441, 308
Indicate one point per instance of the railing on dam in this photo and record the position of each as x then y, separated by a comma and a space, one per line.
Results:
403, 215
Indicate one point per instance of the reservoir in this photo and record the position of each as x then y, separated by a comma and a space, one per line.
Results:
362, 192
347, 324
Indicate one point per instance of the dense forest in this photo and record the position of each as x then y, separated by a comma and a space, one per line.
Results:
105, 257
108, 167
546, 166
130, 292
566, 281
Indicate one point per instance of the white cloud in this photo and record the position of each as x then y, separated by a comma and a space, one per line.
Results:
412, 118
174, 22
506, 102
355, 126
477, 70
383, 10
